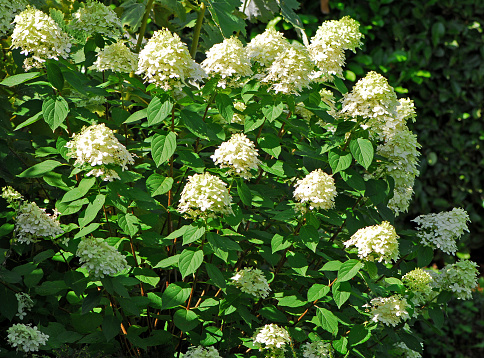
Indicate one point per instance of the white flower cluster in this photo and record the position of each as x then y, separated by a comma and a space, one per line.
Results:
237, 117
26, 338
33, 222
317, 189
228, 60
100, 258
404, 352
202, 352
24, 303
252, 281
443, 229
420, 283
11, 195
97, 146
328, 45
95, 17
271, 337
166, 62
317, 349
116, 57
377, 242
38, 34
460, 278
238, 154
389, 310
205, 195
10, 8
265, 47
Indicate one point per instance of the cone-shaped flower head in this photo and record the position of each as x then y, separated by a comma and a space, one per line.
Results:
271, 337
37, 34
26, 338
100, 258
97, 146
443, 229
202, 352
238, 154
11, 195
116, 57
377, 242
420, 283
316, 190
10, 8
205, 195
95, 17
252, 281
389, 310
317, 349
265, 47
460, 278
228, 60
33, 222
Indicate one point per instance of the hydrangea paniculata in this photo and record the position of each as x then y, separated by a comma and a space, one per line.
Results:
100, 258
443, 229
252, 281
265, 47
10, 8
26, 338
389, 310
11, 195
420, 283
377, 242
271, 337
317, 190
116, 57
204, 196
460, 278
317, 349
237, 117
202, 352
238, 154
95, 17
24, 303
33, 222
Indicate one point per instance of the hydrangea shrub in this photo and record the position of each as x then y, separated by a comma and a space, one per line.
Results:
236, 203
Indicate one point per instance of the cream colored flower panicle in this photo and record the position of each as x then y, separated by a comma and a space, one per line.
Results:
228, 60
420, 283
10, 8
317, 349
316, 190
166, 62
290, 72
459, 278
100, 258
377, 242
95, 17
26, 338
11, 195
265, 47
33, 222
24, 304
97, 146
37, 34
205, 195
238, 154
272, 337
202, 352
389, 310
442, 230
116, 57
252, 281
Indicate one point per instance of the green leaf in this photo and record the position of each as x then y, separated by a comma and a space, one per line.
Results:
341, 292
222, 12
40, 169
128, 223
189, 261
331, 266
157, 110
194, 123
55, 110
163, 147
339, 160
225, 106
358, 334
44, 255
111, 326
18, 79
309, 236
411, 341
33, 278
158, 184
353, 179
137, 116
279, 243
86, 323
273, 314
317, 291
251, 124
132, 14
244, 192
270, 143
54, 75
340, 85
215, 275
425, 255
362, 151
185, 320
29, 121
91, 301
87, 230
50, 288
222, 245
349, 269
341, 345
84, 185
272, 111
175, 294
9, 306
92, 210
438, 31
375, 190
327, 320
193, 233
297, 262
437, 315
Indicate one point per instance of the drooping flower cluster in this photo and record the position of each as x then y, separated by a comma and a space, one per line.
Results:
205, 195
403, 351
329, 43
11, 195
100, 258
37, 34
443, 229
317, 349
10, 8
389, 310
252, 281
95, 17
228, 60
420, 283
272, 337
26, 338
265, 47
98, 147
238, 154
24, 304
33, 222
202, 352
116, 57
377, 242
166, 62
317, 190
460, 278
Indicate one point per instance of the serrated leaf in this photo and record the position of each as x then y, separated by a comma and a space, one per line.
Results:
137, 116
29, 121
40, 169
92, 210
317, 291
273, 111
175, 295
331, 266
185, 320
358, 334
163, 147
353, 179
222, 245
362, 151
244, 193
55, 110
225, 106
279, 243
194, 123
339, 160
158, 110
132, 14
341, 292
129, 223
327, 320
158, 184
189, 261
18, 79
270, 144
193, 233
54, 75
349, 269
309, 236
84, 185
222, 12
215, 275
